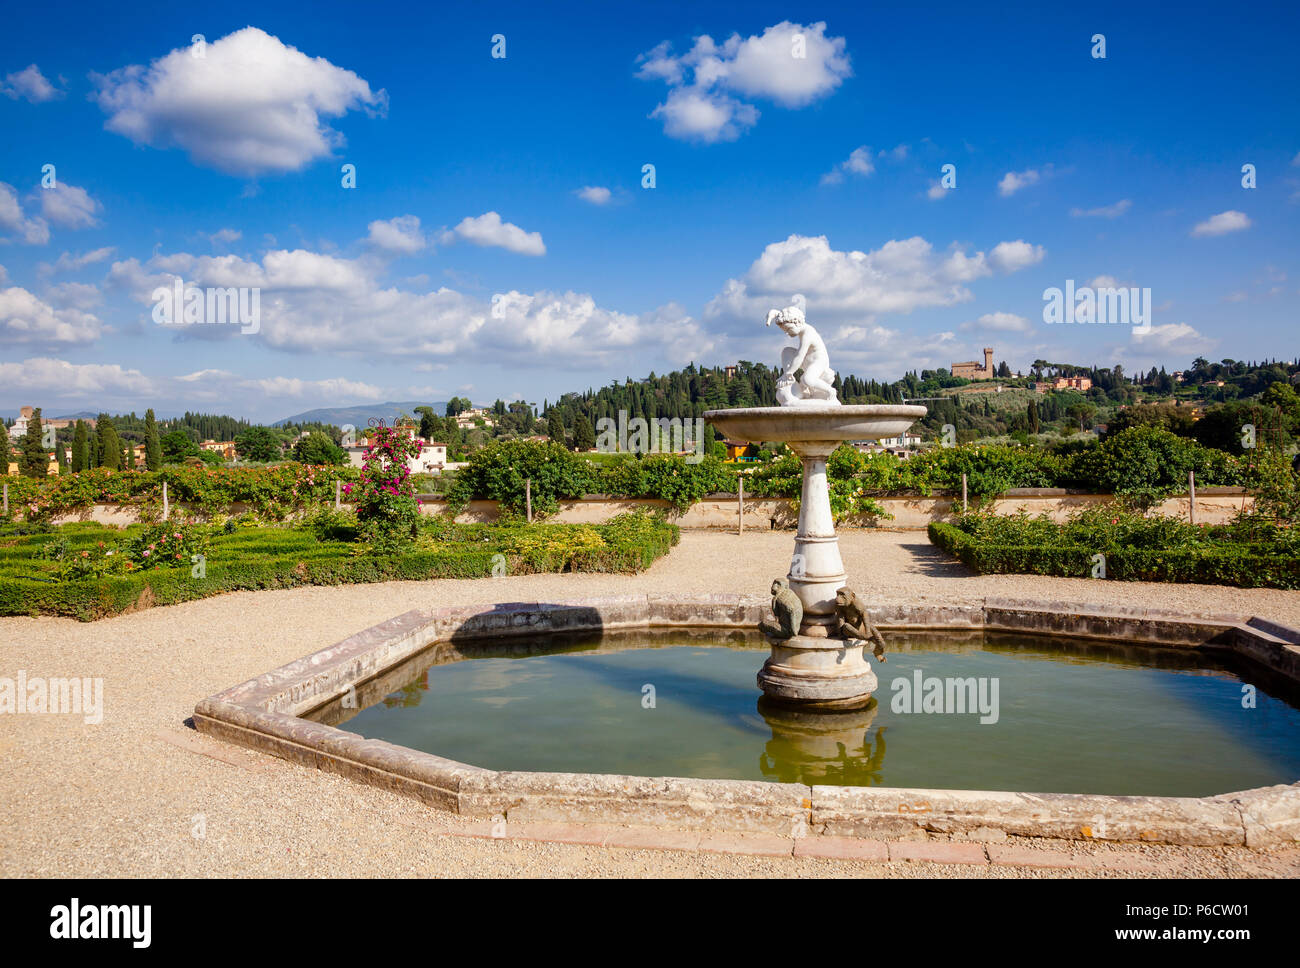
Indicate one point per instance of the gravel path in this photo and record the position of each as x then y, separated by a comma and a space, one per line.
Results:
126, 797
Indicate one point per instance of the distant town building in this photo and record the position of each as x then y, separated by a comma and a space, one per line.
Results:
25, 415
906, 442
467, 418
432, 458
226, 448
1080, 383
971, 370
730, 371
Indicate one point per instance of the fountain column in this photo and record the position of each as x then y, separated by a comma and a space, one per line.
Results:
814, 669
816, 569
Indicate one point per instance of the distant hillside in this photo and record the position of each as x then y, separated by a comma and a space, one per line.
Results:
358, 416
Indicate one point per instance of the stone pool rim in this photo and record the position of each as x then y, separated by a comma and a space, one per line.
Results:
265, 714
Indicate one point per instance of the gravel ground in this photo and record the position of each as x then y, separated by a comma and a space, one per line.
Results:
126, 797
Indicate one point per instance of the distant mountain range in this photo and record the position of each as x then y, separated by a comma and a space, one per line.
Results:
359, 415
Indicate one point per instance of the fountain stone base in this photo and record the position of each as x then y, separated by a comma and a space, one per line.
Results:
816, 668
818, 673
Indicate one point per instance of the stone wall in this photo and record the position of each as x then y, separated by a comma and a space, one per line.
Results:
1214, 505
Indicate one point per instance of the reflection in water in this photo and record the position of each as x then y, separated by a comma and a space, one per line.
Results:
1076, 716
828, 748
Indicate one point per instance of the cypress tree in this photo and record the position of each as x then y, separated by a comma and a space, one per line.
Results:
584, 437
110, 444
35, 459
152, 442
4, 449
80, 459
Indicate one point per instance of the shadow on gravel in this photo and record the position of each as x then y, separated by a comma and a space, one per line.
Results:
932, 562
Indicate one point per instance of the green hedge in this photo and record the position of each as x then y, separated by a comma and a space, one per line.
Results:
1238, 565
264, 558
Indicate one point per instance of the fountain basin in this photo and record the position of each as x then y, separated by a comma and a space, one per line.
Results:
266, 714
799, 426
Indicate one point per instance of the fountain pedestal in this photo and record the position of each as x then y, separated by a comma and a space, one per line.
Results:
815, 669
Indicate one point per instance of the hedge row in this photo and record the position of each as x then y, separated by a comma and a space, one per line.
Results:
1236, 565
289, 559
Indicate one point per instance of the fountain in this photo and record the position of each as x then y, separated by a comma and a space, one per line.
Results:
817, 659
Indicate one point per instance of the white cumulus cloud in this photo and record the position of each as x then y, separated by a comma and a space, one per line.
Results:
401, 235
857, 163
1017, 255
596, 194
789, 64
1013, 181
30, 85
1221, 224
248, 105
488, 229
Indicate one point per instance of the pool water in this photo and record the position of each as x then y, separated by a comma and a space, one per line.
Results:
1040, 714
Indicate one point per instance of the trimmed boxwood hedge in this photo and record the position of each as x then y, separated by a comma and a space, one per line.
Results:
1236, 565
264, 558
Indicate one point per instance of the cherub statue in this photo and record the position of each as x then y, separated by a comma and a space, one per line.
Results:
816, 387
852, 622
788, 611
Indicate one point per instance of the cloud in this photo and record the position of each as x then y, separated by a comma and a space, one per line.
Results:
26, 318
33, 231
936, 191
67, 262
1013, 181
74, 295
401, 235
225, 236
1174, 339
1014, 256
30, 85
44, 376
1221, 224
858, 163
249, 105
999, 323
596, 194
1105, 211
318, 303
694, 115
844, 287
789, 64
488, 229
68, 206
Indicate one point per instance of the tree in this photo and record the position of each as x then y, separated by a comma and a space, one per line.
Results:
430, 423
1082, 413
34, 460
80, 456
109, 444
258, 444
555, 428
317, 448
458, 405
584, 437
176, 446
153, 456
4, 449
1031, 413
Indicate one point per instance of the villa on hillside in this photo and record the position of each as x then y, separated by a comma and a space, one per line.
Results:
1064, 383
971, 370
432, 458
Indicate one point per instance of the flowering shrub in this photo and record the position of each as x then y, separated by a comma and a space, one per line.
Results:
166, 545
385, 497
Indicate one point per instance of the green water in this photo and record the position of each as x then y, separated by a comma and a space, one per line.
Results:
1072, 716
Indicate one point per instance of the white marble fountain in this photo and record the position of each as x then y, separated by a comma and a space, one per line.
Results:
817, 658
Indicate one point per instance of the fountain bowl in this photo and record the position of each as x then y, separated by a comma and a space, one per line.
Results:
814, 423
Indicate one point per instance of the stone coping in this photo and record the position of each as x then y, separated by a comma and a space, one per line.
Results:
266, 713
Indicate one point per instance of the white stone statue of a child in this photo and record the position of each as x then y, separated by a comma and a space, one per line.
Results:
816, 387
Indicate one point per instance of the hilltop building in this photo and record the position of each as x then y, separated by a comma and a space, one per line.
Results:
971, 370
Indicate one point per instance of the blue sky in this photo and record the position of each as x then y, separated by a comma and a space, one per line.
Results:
540, 263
